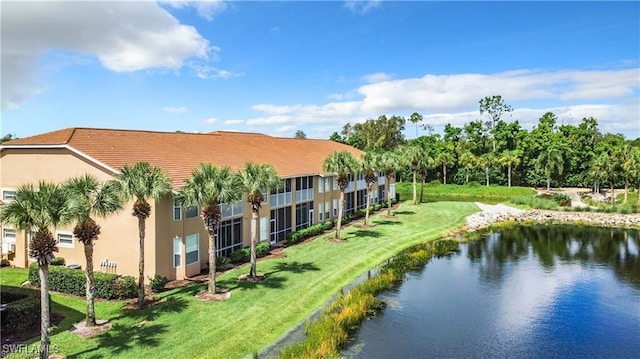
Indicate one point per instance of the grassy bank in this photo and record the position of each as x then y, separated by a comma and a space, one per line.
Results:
257, 313
468, 192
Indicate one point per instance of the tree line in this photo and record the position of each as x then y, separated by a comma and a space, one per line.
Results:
495, 151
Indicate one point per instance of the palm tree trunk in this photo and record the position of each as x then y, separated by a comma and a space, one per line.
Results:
424, 178
91, 311
366, 216
340, 209
548, 184
254, 242
486, 174
388, 189
444, 173
626, 188
613, 195
212, 262
141, 229
509, 174
467, 176
44, 311
415, 192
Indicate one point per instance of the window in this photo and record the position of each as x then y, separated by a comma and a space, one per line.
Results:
327, 184
320, 211
361, 198
349, 206
335, 183
229, 236
9, 233
280, 223
327, 209
303, 219
192, 248
65, 239
8, 195
191, 211
281, 196
229, 210
177, 241
304, 188
177, 210
335, 207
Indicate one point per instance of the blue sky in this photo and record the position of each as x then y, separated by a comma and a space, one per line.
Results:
278, 67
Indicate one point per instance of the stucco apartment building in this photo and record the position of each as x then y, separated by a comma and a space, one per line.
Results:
176, 242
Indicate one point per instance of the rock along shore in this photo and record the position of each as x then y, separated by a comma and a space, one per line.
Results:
493, 214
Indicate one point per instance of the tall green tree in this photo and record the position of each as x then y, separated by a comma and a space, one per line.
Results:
142, 182
415, 118
208, 187
425, 164
411, 155
42, 209
487, 160
381, 134
94, 198
369, 162
550, 160
509, 159
494, 107
445, 159
598, 171
625, 159
389, 164
342, 164
468, 161
255, 178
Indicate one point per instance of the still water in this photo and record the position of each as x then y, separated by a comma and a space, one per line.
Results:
527, 292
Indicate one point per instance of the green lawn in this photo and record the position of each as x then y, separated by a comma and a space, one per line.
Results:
454, 192
256, 314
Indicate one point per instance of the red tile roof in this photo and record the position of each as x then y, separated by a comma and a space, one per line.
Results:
179, 153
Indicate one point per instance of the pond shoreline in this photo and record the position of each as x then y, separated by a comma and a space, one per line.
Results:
495, 214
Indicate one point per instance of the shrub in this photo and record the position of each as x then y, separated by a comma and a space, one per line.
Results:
220, 261
58, 261
4, 263
262, 249
472, 184
535, 202
73, 281
23, 310
157, 283
561, 199
240, 256
434, 183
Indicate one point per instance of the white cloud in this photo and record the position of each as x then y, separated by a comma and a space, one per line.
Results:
123, 36
211, 120
208, 72
361, 7
285, 129
232, 122
207, 9
610, 96
376, 77
175, 110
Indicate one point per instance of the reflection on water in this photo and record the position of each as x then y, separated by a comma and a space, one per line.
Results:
527, 292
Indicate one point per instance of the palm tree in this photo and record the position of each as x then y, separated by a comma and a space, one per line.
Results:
469, 162
141, 182
549, 160
598, 171
509, 159
634, 168
389, 164
415, 118
424, 165
411, 155
43, 208
94, 199
624, 156
369, 161
342, 164
209, 186
253, 179
487, 160
445, 158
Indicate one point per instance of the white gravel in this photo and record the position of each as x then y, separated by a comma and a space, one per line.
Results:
491, 214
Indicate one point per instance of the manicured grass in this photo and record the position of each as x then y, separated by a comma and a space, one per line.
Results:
257, 314
463, 192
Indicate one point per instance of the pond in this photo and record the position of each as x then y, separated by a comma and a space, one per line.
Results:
526, 292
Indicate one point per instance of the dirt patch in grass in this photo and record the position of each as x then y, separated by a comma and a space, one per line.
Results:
221, 294
81, 329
